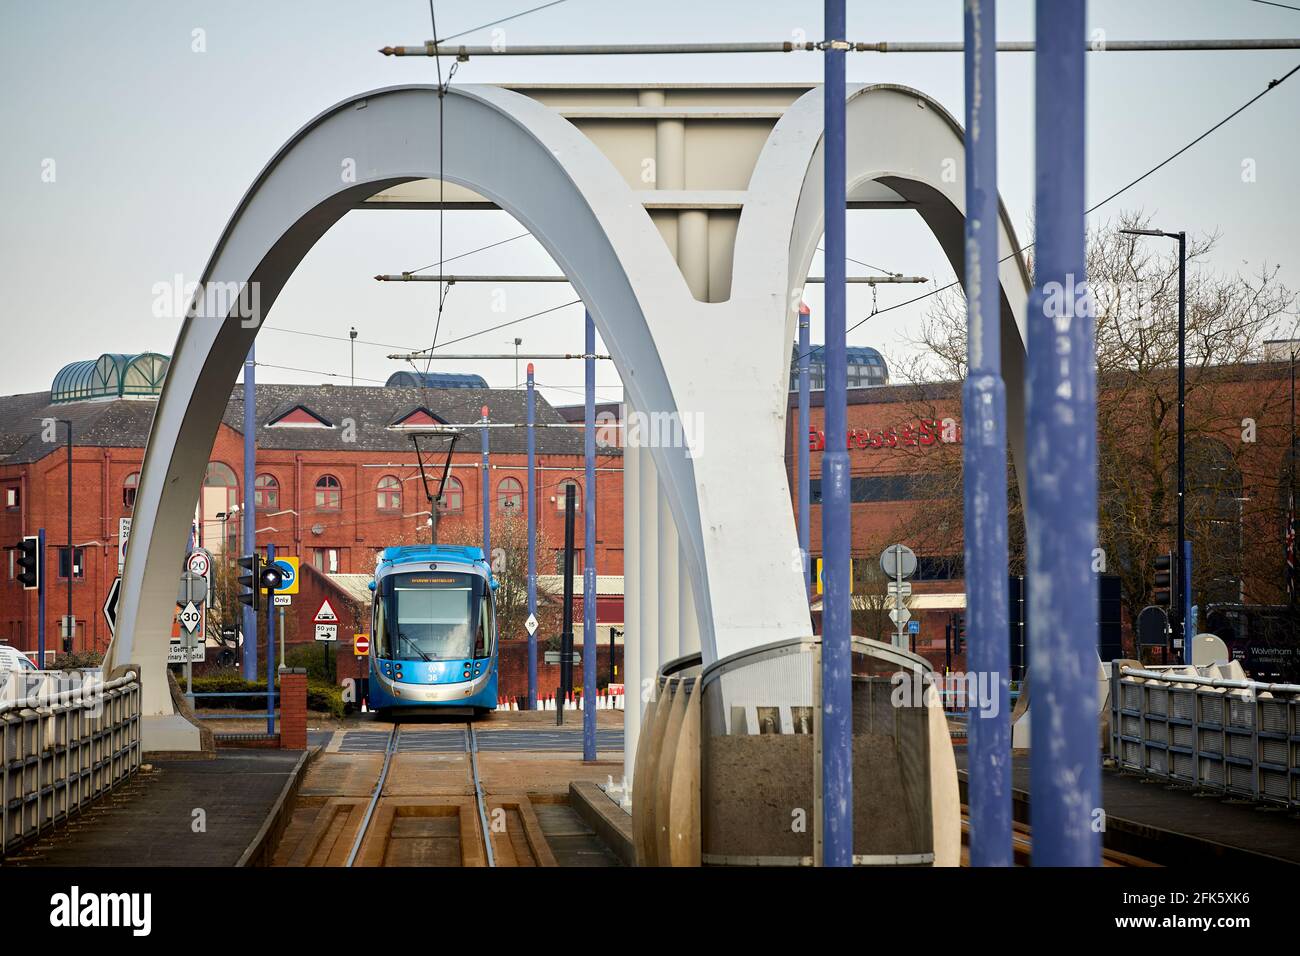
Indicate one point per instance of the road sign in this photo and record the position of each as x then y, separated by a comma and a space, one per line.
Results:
898, 560
123, 533
913, 627
1153, 626
190, 617
530, 625
818, 566
361, 645
327, 632
194, 588
900, 587
289, 567
900, 615
110, 605
199, 562
283, 600
325, 614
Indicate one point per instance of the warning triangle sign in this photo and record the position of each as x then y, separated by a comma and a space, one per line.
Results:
326, 613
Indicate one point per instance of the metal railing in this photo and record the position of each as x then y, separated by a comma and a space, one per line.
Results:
66, 738
1239, 737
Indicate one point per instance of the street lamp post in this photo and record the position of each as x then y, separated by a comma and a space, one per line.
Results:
1182, 576
69, 626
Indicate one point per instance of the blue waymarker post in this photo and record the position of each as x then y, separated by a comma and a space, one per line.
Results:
1061, 466
805, 520
984, 405
589, 550
487, 501
270, 647
836, 670
40, 597
249, 658
532, 537
1189, 613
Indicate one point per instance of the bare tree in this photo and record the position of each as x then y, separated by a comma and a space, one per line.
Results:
1237, 414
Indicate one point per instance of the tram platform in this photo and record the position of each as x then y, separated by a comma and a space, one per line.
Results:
177, 813
1175, 825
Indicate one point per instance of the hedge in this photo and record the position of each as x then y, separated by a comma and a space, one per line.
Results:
321, 696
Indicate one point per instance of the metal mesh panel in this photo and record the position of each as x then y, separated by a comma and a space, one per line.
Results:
1241, 779
1131, 695
1157, 700
1210, 740
1131, 754
1182, 704
1241, 713
1182, 766
1211, 707
1182, 735
1156, 730
1239, 745
1211, 772
1273, 784
1130, 725
1156, 761
1273, 716
1273, 751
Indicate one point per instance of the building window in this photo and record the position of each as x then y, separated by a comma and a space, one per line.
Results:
78, 564
325, 560
220, 475
389, 494
329, 493
560, 493
13, 497
13, 563
130, 485
266, 493
510, 496
453, 497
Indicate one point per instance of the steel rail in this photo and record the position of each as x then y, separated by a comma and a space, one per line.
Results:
471, 742
389, 753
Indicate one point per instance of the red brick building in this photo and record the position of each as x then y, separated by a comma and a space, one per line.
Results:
337, 479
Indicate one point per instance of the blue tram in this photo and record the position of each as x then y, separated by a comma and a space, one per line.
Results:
433, 631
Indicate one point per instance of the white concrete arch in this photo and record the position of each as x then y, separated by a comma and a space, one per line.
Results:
906, 141
502, 145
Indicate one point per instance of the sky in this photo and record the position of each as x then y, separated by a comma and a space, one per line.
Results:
127, 149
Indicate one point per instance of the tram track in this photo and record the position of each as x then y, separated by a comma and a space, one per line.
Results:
415, 813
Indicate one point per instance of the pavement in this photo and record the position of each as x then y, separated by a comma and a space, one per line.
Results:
172, 813
1175, 825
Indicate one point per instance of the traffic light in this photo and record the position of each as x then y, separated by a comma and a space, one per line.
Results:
271, 576
1164, 592
959, 632
253, 564
29, 562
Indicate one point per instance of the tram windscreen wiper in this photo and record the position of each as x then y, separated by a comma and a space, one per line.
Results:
408, 640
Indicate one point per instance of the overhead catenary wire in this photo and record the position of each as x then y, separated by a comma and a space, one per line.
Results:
493, 23
438, 49
1273, 84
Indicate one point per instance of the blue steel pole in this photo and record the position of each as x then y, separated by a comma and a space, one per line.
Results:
250, 512
41, 568
589, 552
984, 404
1189, 622
487, 504
836, 671
532, 537
1061, 471
801, 436
270, 649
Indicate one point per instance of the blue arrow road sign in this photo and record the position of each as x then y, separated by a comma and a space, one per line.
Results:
914, 627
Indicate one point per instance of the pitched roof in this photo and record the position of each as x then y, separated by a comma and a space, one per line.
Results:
368, 409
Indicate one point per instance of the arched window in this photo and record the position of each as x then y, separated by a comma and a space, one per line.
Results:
510, 496
129, 486
453, 497
389, 494
220, 475
266, 493
329, 493
560, 493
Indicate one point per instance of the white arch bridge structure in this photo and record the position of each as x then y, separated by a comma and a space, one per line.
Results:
693, 280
